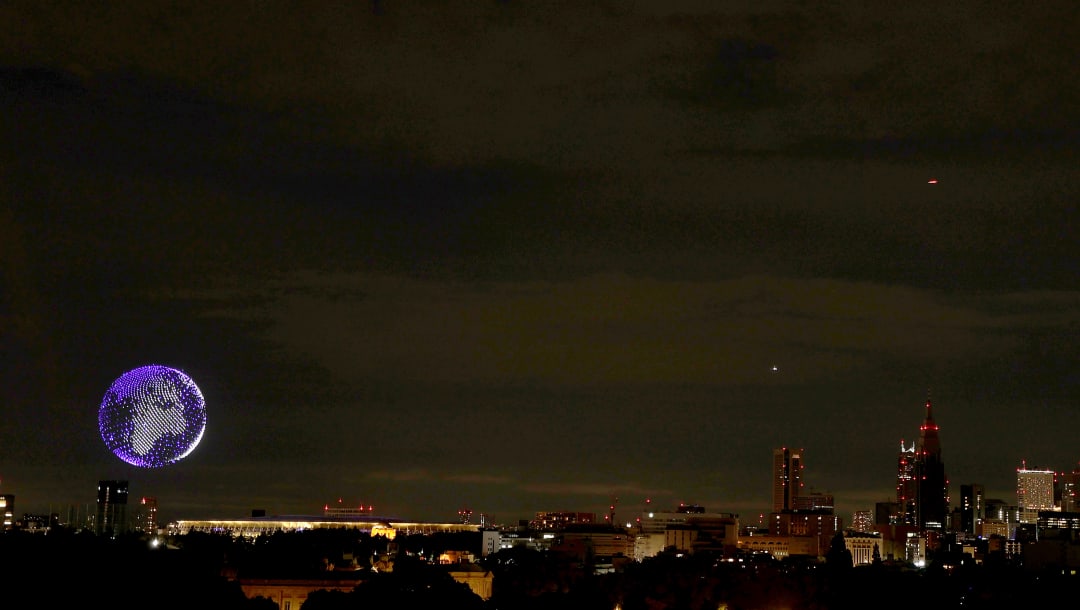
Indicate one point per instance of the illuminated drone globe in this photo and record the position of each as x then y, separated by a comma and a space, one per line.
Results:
152, 416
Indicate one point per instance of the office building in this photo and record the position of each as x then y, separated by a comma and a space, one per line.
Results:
147, 517
812, 532
862, 521
7, 511
687, 528
112, 497
553, 521
787, 478
904, 512
815, 501
801, 523
1070, 491
972, 508
1034, 492
999, 510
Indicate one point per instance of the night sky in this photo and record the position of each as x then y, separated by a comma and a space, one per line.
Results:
521, 256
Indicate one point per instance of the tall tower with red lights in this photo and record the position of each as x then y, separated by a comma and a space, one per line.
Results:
931, 484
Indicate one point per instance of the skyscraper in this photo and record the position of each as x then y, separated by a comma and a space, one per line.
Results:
931, 484
148, 513
1070, 491
112, 499
787, 478
972, 507
7, 511
1034, 492
905, 486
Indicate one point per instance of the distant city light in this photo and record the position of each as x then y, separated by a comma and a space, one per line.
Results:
152, 416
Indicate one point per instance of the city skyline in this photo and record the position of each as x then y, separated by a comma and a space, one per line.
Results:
787, 465
514, 257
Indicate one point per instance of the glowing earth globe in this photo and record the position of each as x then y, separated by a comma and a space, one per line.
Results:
152, 416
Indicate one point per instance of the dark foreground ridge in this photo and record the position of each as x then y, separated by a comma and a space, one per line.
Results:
68, 569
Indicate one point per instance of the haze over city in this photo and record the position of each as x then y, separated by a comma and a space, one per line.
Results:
513, 256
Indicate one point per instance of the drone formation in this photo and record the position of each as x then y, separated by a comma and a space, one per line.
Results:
152, 416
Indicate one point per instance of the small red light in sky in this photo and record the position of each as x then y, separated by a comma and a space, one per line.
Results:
932, 181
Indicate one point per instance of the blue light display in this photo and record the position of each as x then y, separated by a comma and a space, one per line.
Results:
152, 416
